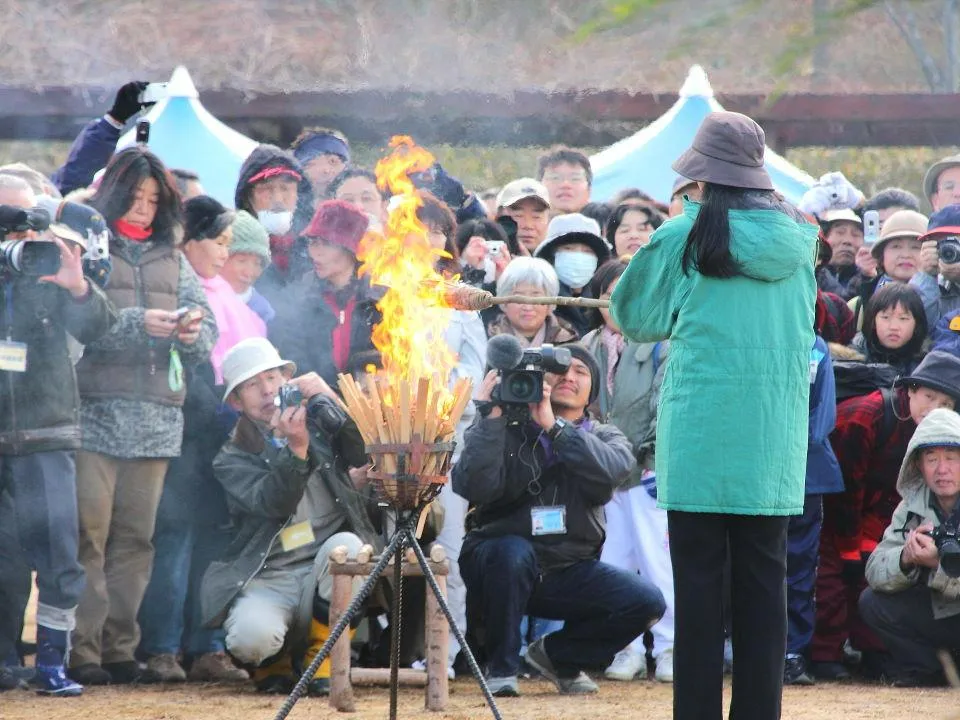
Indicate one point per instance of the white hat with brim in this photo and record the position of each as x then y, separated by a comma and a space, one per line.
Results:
844, 215
250, 357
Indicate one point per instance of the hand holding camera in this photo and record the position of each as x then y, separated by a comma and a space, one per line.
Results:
290, 423
70, 275
542, 412
920, 550
189, 321
929, 257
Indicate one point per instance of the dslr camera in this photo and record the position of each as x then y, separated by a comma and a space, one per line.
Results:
949, 250
26, 257
323, 415
947, 538
522, 371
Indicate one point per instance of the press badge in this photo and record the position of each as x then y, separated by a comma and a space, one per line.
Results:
549, 520
296, 536
13, 356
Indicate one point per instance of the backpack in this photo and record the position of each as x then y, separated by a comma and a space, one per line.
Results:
854, 379
889, 423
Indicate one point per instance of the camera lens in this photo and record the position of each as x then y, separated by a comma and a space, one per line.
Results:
950, 557
522, 386
949, 250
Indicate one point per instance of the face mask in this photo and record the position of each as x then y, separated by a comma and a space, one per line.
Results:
275, 222
575, 268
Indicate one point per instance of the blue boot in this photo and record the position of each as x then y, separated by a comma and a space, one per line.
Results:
51, 678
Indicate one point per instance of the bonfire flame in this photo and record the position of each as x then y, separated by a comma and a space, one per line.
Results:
410, 337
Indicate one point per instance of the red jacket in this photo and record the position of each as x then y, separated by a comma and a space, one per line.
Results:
870, 465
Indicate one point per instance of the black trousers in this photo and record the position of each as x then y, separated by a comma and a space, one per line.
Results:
905, 623
758, 565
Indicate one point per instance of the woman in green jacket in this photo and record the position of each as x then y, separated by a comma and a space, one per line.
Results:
730, 282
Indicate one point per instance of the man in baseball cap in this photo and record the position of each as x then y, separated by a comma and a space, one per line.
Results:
527, 202
938, 279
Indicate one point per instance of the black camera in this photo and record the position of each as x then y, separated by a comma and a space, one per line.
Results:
947, 538
522, 371
26, 257
289, 396
949, 250
325, 416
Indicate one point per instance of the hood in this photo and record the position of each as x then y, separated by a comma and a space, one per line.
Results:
769, 244
940, 427
267, 156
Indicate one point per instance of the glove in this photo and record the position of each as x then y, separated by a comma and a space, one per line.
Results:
444, 186
127, 102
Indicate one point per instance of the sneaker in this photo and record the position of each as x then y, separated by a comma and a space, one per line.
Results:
578, 685
627, 665
90, 674
52, 680
9, 679
503, 686
421, 665
163, 669
126, 672
664, 672
276, 684
795, 671
216, 667
318, 687
835, 671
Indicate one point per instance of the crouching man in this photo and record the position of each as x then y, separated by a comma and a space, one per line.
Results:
538, 488
291, 501
912, 603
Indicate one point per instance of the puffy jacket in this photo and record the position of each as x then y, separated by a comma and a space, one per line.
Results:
90, 152
500, 464
733, 416
938, 299
883, 568
823, 470
39, 408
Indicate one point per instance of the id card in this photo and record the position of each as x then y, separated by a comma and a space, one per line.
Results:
13, 356
296, 536
815, 357
548, 520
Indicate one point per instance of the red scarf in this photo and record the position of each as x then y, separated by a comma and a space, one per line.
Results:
280, 246
341, 333
132, 232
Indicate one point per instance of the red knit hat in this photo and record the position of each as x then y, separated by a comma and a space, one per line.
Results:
339, 223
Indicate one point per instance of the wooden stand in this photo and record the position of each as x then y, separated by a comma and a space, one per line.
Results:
435, 679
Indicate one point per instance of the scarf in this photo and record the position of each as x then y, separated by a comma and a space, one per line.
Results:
614, 344
235, 321
132, 232
280, 247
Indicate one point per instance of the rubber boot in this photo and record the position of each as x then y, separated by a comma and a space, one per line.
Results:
320, 682
275, 678
51, 677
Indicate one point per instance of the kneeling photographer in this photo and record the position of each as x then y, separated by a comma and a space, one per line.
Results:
44, 295
537, 476
913, 602
291, 501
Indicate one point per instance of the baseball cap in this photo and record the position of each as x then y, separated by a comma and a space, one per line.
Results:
517, 190
845, 215
945, 221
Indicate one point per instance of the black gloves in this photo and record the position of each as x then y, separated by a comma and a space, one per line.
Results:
445, 187
127, 102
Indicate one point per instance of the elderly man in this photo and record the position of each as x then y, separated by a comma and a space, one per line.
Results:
527, 202
938, 277
913, 602
941, 184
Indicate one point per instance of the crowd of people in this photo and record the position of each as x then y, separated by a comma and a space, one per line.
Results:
177, 516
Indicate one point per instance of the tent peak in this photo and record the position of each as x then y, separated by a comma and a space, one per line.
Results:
696, 84
181, 84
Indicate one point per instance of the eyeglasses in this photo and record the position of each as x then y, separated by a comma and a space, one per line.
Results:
575, 178
948, 186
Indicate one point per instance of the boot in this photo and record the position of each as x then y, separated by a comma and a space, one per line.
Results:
51, 677
320, 682
275, 678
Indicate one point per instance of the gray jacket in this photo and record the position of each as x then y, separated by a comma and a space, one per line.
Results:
938, 299
883, 569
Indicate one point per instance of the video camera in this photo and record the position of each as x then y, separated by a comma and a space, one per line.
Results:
521, 371
25, 257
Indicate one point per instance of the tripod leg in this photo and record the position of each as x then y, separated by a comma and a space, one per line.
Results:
340, 627
442, 601
395, 621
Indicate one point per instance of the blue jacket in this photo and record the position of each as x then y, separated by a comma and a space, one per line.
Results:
943, 337
823, 470
91, 151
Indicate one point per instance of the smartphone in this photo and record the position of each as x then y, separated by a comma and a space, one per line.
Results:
871, 227
143, 132
188, 315
153, 93
494, 247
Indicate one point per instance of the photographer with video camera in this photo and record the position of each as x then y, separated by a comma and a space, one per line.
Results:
537, 471
913, 602
291, 501
43, 296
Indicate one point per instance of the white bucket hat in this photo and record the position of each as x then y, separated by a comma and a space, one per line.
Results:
250, 357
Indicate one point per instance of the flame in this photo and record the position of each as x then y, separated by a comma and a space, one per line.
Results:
410, 336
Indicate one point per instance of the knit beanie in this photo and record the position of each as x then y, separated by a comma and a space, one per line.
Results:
249, 236
580, 352
338, 223
204, 218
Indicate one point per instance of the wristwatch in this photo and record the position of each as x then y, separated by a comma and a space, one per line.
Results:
559, 425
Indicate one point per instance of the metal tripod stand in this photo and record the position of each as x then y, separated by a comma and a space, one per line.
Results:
404, 536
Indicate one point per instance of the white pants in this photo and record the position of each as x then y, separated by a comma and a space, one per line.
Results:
259, 619
637, 540
451, 539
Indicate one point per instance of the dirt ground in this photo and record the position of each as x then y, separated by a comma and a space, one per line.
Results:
640, 699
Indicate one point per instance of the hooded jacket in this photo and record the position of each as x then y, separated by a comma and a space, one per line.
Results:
733, 412
940, 427
266, 156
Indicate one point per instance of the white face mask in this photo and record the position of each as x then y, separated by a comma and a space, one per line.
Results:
275, 222
575, 267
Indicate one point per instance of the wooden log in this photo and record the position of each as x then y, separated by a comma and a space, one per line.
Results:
339, 554
341, 692
405, 418
352, 569
365, 553
437, 647
410, 556
381, 676
437, 553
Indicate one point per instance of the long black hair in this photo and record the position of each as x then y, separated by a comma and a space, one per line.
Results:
602, 279
889, 296
708, 244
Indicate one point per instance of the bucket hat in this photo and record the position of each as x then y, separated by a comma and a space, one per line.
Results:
250, 357
902, 224
939, 371
573, 228
727, 150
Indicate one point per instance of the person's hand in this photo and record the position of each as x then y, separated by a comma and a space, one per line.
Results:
444, 186
501, 261
542, 412
485, 391
475, 252
292, 425
920, 550
865, 262
312, 384
929, 257
358, 476
70, 275
127, 102
160, 323
188, 330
